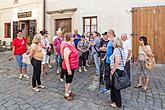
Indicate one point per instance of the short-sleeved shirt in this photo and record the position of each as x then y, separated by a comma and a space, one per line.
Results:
127, 47
20, 46
83, 45
103, 43
96, 42
45, 42
77, 39
38, 54
118, 52
142, 55
109, 51
57, 44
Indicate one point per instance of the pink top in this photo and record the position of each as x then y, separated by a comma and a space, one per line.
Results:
73, 57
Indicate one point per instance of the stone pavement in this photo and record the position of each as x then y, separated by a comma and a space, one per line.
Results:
17, 94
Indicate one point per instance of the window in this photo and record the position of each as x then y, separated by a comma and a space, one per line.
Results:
7, 30
89, 24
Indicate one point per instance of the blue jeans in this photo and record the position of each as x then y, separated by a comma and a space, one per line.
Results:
97, 63
19, 61
58, 61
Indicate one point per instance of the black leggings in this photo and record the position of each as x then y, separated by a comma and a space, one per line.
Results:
82, 59
69, 78
36, 72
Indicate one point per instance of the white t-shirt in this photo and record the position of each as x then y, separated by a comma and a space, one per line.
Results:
45, 42
127, 47
54, 38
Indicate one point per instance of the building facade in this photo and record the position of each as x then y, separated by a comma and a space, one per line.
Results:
91, 15
26, 15
84, 15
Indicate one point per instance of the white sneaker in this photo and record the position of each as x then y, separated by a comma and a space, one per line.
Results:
50, 66
61, 79
26, 76
85, 69
36, 89
20, 76
58, 71
41, 86
80, 69
87, 65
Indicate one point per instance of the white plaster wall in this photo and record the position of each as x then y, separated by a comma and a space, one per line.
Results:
112, 14
10, 3
9, 14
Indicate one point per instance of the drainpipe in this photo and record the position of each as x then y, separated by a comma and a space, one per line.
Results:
44, 13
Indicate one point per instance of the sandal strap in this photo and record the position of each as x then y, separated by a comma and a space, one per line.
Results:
68, 98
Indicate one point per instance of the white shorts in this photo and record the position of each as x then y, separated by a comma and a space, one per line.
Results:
45, 58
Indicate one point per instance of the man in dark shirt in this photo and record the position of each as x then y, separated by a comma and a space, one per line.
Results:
103, 47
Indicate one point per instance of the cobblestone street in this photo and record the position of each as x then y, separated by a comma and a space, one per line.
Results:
17, 94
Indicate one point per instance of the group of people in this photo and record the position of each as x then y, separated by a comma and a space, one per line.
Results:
110, 54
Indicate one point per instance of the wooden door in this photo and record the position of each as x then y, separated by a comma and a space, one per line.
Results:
64, 24
160, 34
148, 21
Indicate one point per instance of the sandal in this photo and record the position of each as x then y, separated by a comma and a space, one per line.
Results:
113, 105
144, 89
72, 94
69, 98
138, 86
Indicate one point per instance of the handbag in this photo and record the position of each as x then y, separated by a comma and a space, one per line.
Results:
150, 61
26, 59
122, 81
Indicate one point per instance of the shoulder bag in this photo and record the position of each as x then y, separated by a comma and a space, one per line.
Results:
123, 81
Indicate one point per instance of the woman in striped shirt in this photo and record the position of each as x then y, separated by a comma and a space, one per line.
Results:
117, 65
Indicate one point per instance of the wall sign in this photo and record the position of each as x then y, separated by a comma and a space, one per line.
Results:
25, 14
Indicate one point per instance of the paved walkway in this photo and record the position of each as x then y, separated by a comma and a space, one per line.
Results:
17, 94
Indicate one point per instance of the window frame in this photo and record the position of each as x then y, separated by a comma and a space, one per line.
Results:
90, 17
7, 30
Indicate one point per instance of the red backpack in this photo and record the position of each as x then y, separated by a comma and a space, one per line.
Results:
73, 57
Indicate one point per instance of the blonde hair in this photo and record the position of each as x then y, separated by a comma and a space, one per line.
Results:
59, 32
76, 31
117, 42
36, 39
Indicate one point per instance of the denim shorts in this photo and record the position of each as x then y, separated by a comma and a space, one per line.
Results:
19, 61
46, 58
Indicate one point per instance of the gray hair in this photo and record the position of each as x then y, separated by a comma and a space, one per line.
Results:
117, 42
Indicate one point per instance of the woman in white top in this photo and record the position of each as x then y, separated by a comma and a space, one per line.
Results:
46, 47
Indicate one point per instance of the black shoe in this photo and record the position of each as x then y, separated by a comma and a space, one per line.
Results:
138, 86
101, 81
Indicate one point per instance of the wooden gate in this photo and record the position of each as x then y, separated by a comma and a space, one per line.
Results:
149, 21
